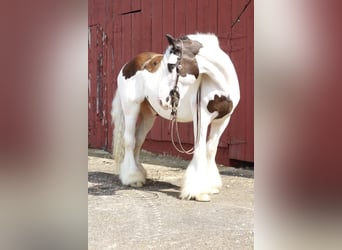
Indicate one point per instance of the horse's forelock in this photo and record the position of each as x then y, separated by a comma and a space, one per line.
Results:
188, 63
186, 49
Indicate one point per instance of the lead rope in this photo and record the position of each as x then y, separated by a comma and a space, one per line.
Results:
181, 149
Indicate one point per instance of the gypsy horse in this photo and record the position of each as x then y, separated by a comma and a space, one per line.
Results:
194, 80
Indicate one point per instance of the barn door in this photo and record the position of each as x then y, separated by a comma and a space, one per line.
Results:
100, 72
120, 29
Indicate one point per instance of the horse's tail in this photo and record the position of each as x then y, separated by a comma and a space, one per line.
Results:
119, 129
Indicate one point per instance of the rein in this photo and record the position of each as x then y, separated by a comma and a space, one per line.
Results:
175, 96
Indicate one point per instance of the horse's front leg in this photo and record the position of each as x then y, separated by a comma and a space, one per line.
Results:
195, 185
216, 130
130, 173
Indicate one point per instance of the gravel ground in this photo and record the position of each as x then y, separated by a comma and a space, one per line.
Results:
153, 217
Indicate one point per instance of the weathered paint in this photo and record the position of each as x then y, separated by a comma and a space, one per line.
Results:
119, 30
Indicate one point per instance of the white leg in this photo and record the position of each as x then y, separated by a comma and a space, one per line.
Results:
216, 130
195, 180
147, 118
131, 173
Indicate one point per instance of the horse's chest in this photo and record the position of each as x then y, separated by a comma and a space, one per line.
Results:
183, 112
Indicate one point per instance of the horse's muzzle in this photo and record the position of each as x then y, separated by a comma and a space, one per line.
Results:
165, 103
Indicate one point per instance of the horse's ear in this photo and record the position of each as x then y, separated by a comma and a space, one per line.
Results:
170, 39
195, 46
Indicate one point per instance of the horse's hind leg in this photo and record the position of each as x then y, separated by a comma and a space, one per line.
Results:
213, 175
131, 173
147, 118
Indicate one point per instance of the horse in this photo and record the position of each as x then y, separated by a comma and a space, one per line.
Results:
193, 81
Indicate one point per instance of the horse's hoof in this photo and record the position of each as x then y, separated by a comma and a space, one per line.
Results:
202, 197
214, 191
137, 184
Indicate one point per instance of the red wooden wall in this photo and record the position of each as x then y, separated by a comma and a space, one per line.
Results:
119, 29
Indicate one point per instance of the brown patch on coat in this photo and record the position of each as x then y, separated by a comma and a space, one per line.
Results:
146, 60
188, 63
186, 49
222, 105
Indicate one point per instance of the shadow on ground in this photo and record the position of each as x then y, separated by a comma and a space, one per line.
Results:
107, 184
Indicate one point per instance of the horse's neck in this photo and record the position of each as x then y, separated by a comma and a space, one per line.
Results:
162, 71
154, 80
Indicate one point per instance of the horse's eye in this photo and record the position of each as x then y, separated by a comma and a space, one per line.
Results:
175, 50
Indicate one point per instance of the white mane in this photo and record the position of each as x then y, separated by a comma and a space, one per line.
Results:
207, 39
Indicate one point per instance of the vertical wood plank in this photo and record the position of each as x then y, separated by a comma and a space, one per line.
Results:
224, 18
136, 29
242, 124
157, 44
157, 40
191, 16
250, 84
146, 22
213, 13
168, 18
117, 38
157, 26
207, 16
109, 75
180, 18
126, 42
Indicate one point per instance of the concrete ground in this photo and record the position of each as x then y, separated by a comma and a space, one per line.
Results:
153, 217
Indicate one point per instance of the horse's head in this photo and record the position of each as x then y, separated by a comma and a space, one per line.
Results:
181, 61
182, 55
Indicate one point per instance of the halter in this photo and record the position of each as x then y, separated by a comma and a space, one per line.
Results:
174, 93
175, 96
